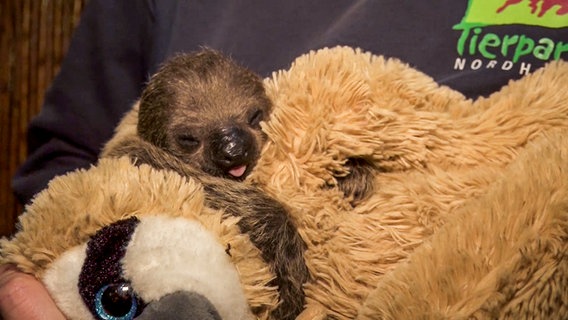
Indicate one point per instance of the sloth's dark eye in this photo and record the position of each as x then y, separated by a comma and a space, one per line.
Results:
116, 302
188, 142
256, 118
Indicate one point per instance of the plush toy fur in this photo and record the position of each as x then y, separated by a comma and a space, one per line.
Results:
469, 212
435, 152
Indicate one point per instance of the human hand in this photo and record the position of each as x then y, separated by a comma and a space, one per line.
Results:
22, 296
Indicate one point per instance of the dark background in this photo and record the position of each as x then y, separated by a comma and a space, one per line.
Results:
34, 37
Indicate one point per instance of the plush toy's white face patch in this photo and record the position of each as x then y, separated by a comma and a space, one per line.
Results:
154, 267
62, 278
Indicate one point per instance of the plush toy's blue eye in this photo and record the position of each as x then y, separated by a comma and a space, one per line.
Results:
116, 302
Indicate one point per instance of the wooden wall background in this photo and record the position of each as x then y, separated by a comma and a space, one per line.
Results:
34, 37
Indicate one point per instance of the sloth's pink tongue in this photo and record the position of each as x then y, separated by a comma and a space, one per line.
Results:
238, 171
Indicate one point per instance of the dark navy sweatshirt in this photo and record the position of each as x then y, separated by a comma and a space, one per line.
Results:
473, 46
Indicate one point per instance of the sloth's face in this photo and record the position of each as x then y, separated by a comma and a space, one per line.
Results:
206, 110
225, 142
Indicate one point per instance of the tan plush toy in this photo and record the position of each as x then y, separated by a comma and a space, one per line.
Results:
468, 213
463, 212
116, 239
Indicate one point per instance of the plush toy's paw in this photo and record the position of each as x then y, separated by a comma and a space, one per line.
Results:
155, 267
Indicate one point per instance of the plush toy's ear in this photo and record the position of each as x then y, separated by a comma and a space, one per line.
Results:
119, 240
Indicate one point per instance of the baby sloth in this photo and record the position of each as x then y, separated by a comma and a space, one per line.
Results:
200, 116
206, 110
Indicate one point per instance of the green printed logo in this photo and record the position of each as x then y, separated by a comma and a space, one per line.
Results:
509, 49
543, 13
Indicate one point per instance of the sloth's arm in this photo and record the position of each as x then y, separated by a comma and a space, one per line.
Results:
271, 230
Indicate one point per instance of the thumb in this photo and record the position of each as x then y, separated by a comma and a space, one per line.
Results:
22, 296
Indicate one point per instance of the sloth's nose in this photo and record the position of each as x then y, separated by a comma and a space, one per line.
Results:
232, 147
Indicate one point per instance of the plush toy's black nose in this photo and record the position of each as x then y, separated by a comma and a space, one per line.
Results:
180, 305
232, 147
